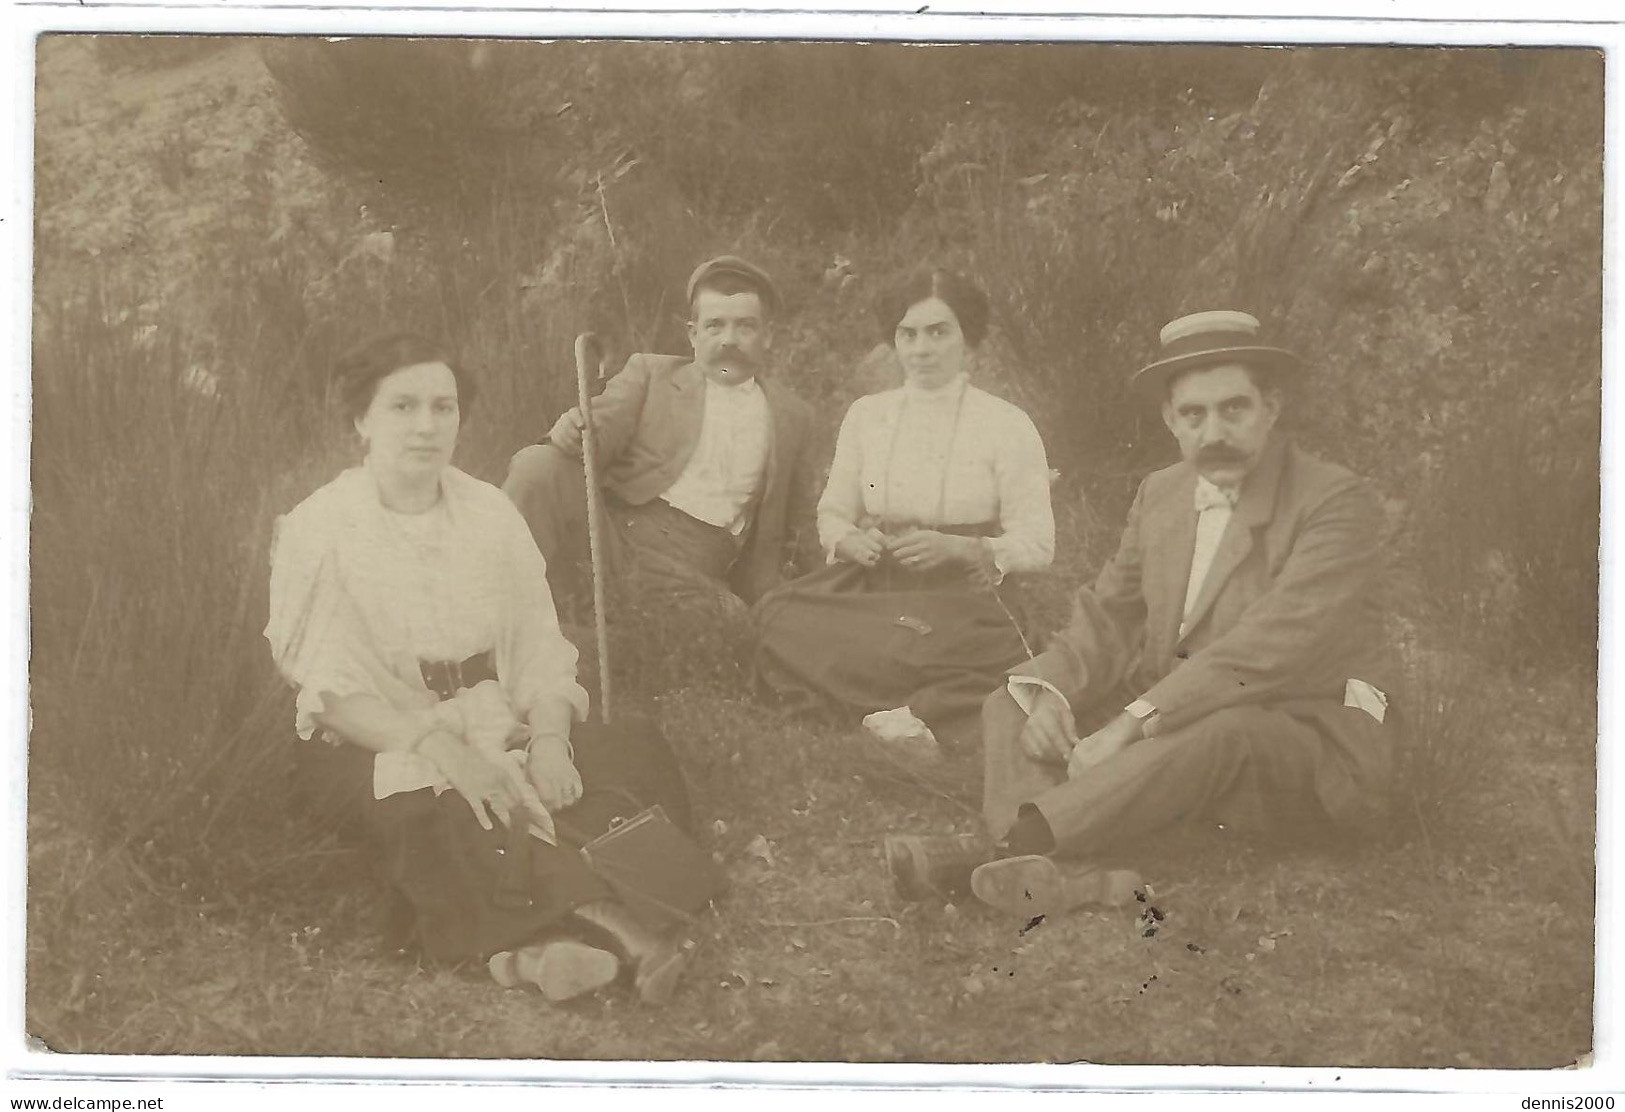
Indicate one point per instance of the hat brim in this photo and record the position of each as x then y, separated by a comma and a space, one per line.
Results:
733, 266
1151, 382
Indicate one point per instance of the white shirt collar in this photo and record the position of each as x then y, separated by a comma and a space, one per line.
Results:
1209, 493
734, 389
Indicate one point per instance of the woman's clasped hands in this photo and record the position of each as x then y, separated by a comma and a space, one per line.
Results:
927, 549
865, 547
551, 772
916, 549
493, 784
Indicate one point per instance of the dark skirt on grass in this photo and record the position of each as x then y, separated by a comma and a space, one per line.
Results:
458, 892
857, 640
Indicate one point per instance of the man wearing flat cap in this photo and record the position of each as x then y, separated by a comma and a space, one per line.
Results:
705, 469
1226, 663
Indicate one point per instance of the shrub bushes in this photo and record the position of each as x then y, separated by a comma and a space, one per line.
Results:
1438, 265
431, 126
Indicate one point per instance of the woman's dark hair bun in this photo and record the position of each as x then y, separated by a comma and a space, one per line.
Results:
962, 295
357, 372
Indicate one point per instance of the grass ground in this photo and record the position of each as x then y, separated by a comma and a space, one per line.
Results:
1464, 938
1466, 946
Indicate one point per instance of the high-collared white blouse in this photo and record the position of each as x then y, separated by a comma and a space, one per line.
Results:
951, 456
360, 595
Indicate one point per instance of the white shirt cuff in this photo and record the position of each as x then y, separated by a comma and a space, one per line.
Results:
398, 771
992, 546
1024, 690
829, 546
1367, 697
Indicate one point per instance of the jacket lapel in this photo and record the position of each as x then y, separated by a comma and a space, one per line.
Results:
1254, 507
688, 410
777, 415
1168, 540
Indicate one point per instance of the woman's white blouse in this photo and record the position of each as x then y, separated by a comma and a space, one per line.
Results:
952, 456
361, 594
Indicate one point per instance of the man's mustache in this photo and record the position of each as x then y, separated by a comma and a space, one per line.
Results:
734, 355
1220, 453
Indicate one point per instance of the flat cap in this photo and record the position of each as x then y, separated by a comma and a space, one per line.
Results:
733, 266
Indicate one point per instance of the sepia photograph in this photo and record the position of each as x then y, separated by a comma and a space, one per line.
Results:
814, 552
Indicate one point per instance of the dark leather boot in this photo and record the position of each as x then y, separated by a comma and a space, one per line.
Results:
655, 958
934, 866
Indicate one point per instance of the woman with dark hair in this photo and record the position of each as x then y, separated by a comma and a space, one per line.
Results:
936, 492
437, 698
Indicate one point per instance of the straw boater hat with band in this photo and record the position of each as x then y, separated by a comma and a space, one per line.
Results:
734, 267
1209, 339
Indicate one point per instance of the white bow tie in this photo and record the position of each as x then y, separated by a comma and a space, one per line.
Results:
1212, 497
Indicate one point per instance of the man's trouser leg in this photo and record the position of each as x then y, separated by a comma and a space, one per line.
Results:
1009, 777
1247, 767
549, 487
675, 554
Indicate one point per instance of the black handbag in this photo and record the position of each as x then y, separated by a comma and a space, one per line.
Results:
655, 868
646, 860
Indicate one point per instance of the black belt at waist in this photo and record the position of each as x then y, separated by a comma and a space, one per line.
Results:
443, 677
446, 677
980, 529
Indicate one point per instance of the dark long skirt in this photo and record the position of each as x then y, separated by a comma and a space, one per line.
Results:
858, 640
462, 893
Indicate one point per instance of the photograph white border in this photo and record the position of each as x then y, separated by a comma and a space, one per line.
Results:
1346, 22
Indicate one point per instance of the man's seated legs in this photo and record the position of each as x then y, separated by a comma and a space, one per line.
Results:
1248, 768
548, 485
924, 866
1251, 768
675, 554
1010, 777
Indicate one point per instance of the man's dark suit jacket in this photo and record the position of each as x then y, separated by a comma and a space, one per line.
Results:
647, 421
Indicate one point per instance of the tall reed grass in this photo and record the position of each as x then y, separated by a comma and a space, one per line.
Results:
156, 478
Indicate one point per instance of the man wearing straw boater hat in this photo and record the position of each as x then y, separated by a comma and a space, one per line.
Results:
1224, 667
704, 465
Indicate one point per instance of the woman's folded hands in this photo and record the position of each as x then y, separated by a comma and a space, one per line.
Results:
927, 550
916, 550
493, 784
864, 547
551, 773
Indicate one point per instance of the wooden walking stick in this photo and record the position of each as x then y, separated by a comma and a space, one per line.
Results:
588, 346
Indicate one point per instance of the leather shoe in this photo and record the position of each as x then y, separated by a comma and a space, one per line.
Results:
656, 960
1032, 885
562, 968
934, 866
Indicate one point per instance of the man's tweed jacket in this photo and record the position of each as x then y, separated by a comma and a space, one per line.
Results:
647, 421
1290, 611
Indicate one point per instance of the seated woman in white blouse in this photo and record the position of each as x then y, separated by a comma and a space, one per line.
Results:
937, 491
438, 707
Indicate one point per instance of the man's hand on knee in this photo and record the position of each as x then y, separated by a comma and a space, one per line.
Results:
1104, 744
1050, 732
565, 435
